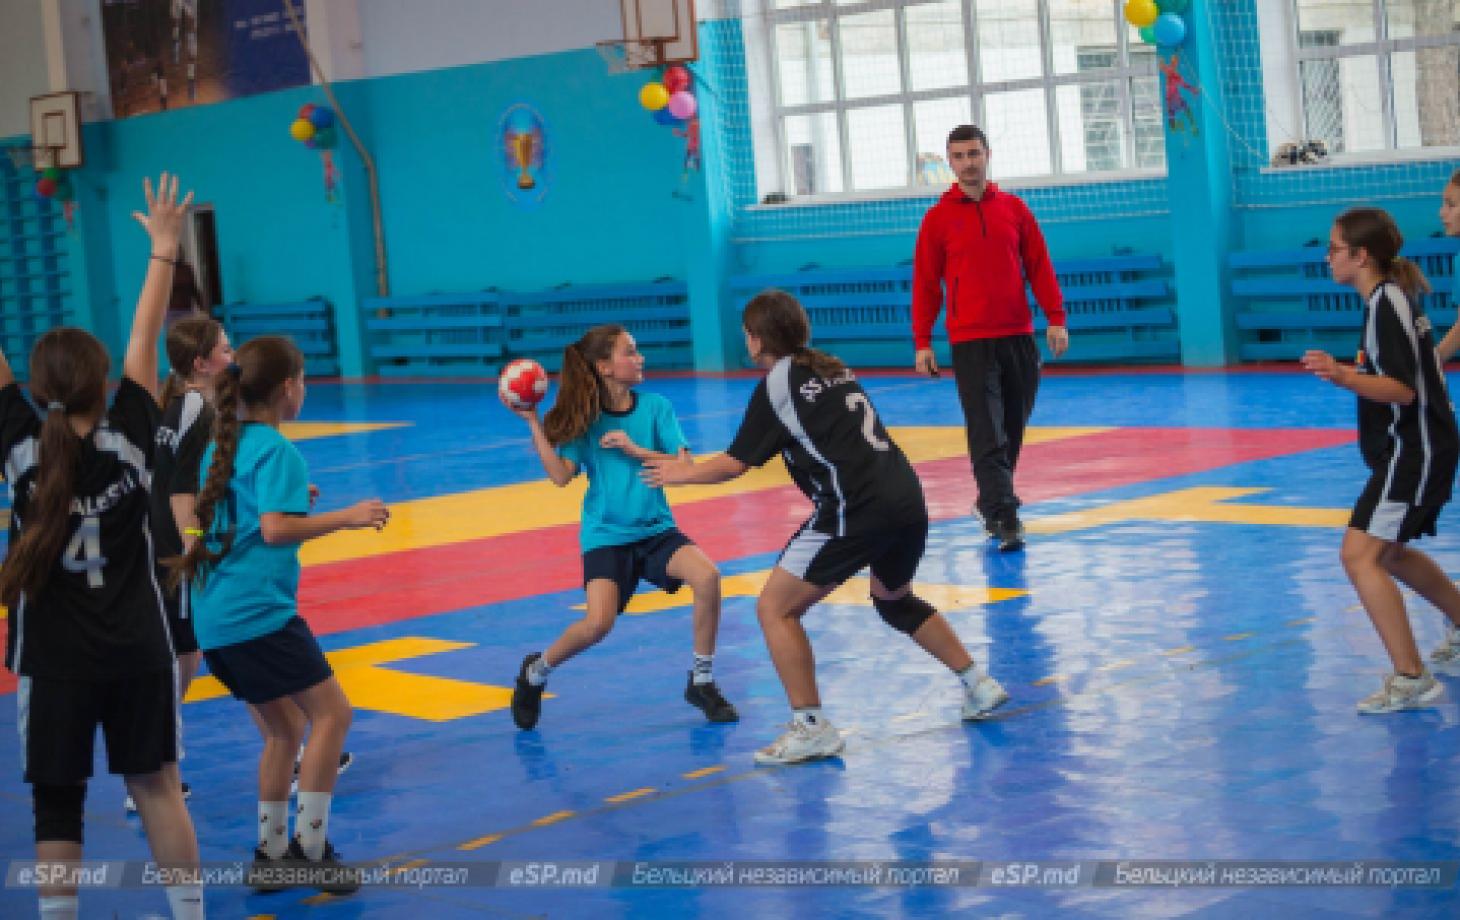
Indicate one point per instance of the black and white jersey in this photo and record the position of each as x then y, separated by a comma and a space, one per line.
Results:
187, 423
835, 449
1415, 446
100, 615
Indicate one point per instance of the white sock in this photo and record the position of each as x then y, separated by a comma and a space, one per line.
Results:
810, 717
274, 828
538, 671
312, 822
61, 907
970, 675
186, 901
703, 669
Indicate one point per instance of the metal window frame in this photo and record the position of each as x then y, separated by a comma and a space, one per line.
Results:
1383, 49
974, 89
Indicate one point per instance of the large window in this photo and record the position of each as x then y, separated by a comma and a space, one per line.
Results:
865, 91
1378, 75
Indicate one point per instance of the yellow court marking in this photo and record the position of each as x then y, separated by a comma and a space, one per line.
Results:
307, 431
702, 772
1300, 621
1180, 650
480, 842
1237, 637
1051, 679
627, 796
553, 818
1204, 504
481, 513
856, 592
371, 686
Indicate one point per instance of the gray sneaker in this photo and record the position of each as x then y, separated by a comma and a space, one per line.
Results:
802, 742
1446, 656
1401, 692
983, 698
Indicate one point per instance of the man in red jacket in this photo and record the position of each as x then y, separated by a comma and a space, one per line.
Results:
979, 245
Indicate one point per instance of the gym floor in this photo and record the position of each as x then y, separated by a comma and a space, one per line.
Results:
1180, 643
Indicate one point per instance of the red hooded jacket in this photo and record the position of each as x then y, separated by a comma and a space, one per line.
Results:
980, 253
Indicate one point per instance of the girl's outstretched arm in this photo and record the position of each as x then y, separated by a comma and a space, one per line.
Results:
163, 223
661, 470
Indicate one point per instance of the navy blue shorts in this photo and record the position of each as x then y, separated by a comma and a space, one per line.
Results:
280, 664
627, 563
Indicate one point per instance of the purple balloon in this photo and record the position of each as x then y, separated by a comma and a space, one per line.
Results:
682, 105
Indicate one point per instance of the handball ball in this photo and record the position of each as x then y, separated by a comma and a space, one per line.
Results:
523, 383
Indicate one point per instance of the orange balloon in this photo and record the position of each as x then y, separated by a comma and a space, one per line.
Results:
1141, 13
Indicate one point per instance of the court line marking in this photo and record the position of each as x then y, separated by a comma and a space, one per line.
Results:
1003, 715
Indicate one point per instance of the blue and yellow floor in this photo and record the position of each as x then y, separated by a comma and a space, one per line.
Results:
1182, 648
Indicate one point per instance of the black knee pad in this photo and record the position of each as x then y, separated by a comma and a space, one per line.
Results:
906, 614
58, 810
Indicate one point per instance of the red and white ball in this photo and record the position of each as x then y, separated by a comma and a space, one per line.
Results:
523, 383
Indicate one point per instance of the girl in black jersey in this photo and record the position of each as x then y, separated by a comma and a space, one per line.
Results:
88, 637
1409, 440
869, 511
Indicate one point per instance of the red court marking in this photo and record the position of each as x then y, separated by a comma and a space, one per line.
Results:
385, 589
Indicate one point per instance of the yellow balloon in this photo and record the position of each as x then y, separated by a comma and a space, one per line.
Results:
301, 129
1141, 13
653, 96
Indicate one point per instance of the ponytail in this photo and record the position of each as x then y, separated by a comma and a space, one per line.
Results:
1410, 278
191, 564
821, 363
580, 389
68, 369
47, 512
172, 388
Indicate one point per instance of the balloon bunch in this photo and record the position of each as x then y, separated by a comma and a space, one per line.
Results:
52, 184
314, 127
1160, 21
672, 102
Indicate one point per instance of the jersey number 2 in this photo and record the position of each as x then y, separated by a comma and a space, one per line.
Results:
84, 552
857, 401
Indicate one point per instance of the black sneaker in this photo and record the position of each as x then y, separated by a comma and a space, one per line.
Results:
329, 873
709, 699
266, 875
346, 758
1010, 533
527, 699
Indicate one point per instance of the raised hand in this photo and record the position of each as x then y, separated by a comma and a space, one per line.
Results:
164, 218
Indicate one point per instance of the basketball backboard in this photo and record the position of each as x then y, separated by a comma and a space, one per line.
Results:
55, 130
655, 33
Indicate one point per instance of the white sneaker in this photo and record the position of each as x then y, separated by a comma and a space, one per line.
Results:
802, 742
983, 698
1401, 692
1446, 656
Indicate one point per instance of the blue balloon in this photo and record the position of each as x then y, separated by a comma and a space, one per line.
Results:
1170, 30
322, 117
666, 118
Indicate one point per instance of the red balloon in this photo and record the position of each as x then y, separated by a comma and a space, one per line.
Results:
45, 187
676, 79
305, 109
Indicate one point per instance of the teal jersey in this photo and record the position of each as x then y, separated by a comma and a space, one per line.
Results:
619, 507
253, 590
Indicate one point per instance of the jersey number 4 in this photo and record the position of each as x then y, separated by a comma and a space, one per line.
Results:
84, 552
858, 401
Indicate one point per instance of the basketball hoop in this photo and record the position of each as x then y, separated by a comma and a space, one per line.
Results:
625, 55
38, 158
